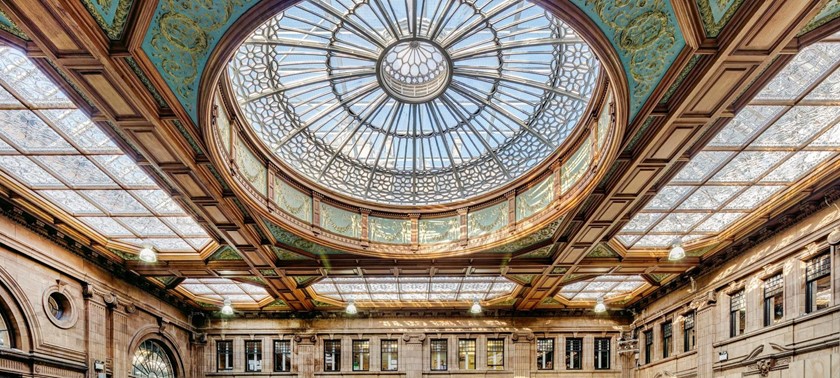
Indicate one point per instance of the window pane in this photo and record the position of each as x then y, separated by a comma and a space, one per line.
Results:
602, 353
224, 355
5, 333
332, 355
545, 354
438, 356
667, 334
361, 355
688, 333
389, 355
253, 355
737, 314
282, 355
574, 346
466, 354
495, 354
648, 346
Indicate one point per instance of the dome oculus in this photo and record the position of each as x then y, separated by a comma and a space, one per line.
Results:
413, 103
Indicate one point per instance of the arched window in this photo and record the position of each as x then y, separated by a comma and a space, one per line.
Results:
6, 337
151, 360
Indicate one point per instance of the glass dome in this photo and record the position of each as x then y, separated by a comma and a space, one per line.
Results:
413, 103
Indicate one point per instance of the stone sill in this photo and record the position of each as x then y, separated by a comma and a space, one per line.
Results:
787, 323
669, 359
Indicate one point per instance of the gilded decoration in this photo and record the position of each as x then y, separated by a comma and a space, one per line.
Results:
535, 237
574, 168
439, 230
535, 199
251, 168
292, 240
541, 252
111, 15
292, 201
602, 250
225, 253
6, 24
340, 221
829, 12
387, 230
146, 82
487, 220
223, 125
180, 38
716, 14
646, 37
268, 272
285, 254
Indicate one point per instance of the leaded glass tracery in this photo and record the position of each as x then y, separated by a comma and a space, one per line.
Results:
432, 289
151, 361
606, 286
413, 102
787, 132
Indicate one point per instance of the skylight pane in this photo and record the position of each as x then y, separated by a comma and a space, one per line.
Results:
219, 289
437, 288
51, 146
701, 166
746, 124
709, 197
797, 166
812, 62
797, 126
606, 286
748, 166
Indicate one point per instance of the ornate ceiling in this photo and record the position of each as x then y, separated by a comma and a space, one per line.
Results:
699, 151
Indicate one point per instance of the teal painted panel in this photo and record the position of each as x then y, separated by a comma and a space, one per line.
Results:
646, 36
183, 33
181, 37
829, 12
110, 15
386, 230
439, 230
9, 26
716, 14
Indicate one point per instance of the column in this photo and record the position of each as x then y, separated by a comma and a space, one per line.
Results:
304, 360
521, 354
704, 323
411, 355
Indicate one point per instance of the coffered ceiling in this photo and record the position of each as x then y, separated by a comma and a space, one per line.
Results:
106, 109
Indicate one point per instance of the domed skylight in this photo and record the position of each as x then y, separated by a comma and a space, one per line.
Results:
417, 103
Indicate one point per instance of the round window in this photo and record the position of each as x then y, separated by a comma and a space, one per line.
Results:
59, 308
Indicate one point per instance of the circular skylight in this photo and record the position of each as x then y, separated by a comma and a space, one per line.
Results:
413, 103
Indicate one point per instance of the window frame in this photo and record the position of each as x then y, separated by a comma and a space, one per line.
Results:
7, 331
667, 339
774, 296
737, 315
362, 353
814, 275
496, 349
279, 353
256, 352
332, 347
467, 347
227, 352
689, 332
549, 353
433, 353
602, 354
648, 334
574, 360
392, 348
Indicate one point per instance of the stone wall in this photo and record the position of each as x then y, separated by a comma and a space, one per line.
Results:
800, 345
105, 321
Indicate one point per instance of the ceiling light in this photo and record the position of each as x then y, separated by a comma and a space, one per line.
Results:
599, 306
148, 254
351, 308
227, 309
677, 252
476, 307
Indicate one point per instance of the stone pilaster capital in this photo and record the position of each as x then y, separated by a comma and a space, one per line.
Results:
414, 338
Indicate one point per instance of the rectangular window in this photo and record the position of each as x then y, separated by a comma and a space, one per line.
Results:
361, 355
224, 355
818, 283
648, 346
332, 355
602, 353
439, 351
667, 337
774, 306
737, 314
389, 355
574, 347
545, 354
495, 354
466, 354
282, 355
253, 355
688, 333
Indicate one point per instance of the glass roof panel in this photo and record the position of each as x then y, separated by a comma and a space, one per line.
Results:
606, 286
460, 99
774, 142
219, 289
55, 150
430, 289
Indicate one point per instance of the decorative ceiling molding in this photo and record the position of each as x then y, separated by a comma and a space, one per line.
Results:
111, 15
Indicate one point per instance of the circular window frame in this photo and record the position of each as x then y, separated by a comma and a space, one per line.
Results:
69, 314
